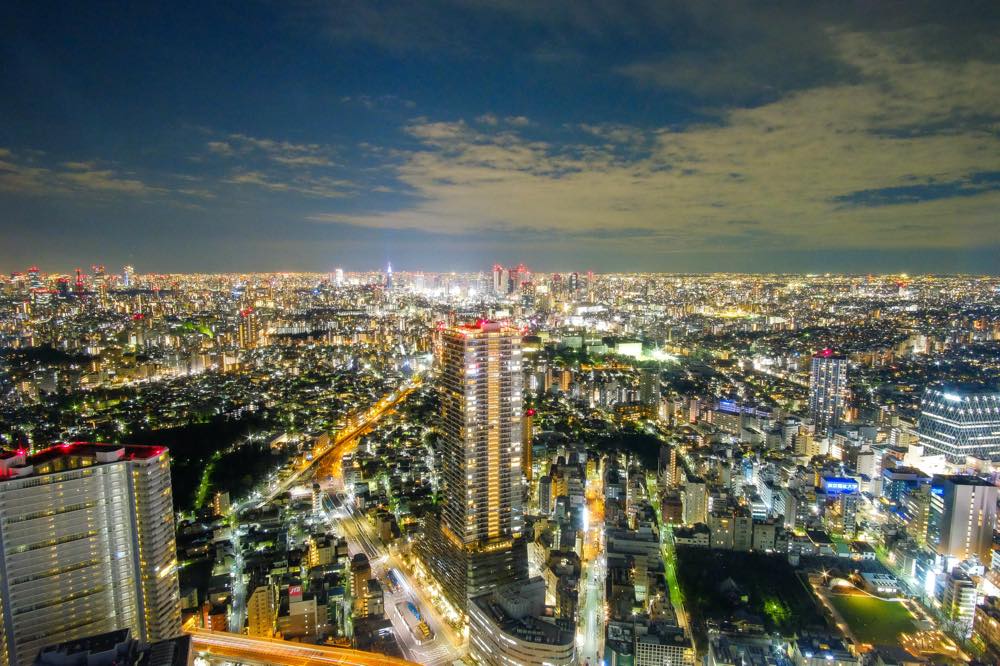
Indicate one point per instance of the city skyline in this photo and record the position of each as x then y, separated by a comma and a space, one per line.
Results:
499, 333
506, 466
647, 136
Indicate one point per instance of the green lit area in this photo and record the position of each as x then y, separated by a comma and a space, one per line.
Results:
873, 620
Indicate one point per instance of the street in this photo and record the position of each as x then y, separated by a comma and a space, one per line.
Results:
445, 647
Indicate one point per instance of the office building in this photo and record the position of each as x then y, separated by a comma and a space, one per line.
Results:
960, 421
86, 546
477, 545
662, 644
361, 573
828, 389
986, 628
957, 594
898, 482
967, 507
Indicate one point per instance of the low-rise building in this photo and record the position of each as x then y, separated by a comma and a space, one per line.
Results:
506, 628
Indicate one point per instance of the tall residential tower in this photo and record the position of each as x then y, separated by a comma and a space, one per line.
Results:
478, 545
827, 389
86, 546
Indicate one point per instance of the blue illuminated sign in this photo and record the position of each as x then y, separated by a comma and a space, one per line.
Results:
839, 486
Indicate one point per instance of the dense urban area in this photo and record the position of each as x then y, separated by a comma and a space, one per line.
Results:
504, 467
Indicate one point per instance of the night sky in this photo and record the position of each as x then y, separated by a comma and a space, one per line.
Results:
663, 136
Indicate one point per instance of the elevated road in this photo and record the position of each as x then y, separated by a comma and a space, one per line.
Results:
345, 440
218, 647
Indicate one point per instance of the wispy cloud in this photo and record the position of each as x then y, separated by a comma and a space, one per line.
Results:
243, 146
21, 174
312, 186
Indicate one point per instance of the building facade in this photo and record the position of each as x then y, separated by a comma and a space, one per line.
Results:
505, 629
960, 421
967, 507
477, 544
828, 389
86, 546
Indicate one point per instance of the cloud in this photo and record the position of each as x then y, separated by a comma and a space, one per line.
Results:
312, 186
791, 164
220, 148
281, 166
22, 175
105, 180
284, 152
80, 166
373, 102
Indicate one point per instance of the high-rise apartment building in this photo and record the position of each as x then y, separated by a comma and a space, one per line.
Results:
478, 543
249, 329
827, 389
695, 501
262, 610
86, 546
960, 421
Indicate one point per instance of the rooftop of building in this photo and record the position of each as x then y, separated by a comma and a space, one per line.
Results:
70, 455
830, 647
901, 471
964, 389
531, 629
114, 648
963, 480
749, 650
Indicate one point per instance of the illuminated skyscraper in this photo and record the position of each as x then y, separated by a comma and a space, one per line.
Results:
967, 507
33, 278
960, 421
500, 276
574, 282
249, 329
478, 544
86, 546
127, 274
827, 389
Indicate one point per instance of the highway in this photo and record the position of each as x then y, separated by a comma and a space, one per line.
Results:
217, 647
345, 440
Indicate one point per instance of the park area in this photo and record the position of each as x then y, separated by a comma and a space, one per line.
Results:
721, 586
872, 620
